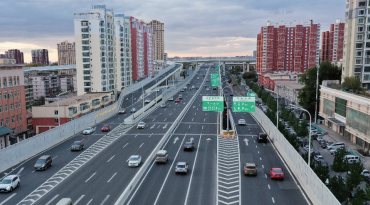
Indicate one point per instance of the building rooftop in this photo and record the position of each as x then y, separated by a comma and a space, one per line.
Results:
46, 68
78, 99
291, 84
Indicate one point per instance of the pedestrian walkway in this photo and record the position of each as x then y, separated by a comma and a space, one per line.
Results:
332, 136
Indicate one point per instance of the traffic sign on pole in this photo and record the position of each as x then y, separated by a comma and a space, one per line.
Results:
215, 82
217, 67
244, 104
251, 95
215, 75
213, 103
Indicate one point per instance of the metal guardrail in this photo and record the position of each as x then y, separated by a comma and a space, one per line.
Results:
316, 190
30, 147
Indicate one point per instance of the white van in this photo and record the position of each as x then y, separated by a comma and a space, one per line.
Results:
352, 158
65, 201
336, 145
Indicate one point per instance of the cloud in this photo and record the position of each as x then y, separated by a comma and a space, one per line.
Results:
192, 28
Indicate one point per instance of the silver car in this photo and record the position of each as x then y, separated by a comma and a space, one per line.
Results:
242, 122
9, 183
181, 167
88, 130
161, 156
163, 105
133, 110
134, 161
170, 99
141, 125
147, 100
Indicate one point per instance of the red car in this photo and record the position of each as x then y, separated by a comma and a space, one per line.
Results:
226, 91
177, 100
276, 173
105, 128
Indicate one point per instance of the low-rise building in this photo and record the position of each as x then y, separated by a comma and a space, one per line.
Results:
346, 113
288, 91
268, 79
46, 117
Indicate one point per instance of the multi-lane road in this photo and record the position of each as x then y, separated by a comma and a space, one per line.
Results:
100, 174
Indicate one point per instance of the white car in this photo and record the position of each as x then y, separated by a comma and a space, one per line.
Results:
9, 183
134, 161
181, 167
318, 157
242, 122
88, 130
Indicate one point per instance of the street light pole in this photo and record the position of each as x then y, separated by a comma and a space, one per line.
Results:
309, 138
317, 87
58, 104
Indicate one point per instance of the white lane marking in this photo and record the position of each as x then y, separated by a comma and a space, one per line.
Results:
158, 126
170, 170
20, 170
153, 120
90, 177
165, 109
258, 152
197, 108
69, 148
11, 196
195, 113
89, 202
177, 138
256, 146
189, 126
204, 119
141, 145
79, 199
112, 122
269, 186
192, 171
170, 113
265, 175
193, 106
106, 198
152, 126
260, 158
202, 127
150, 135
51, 200
111, 158
263, 167
165, 119
206, 113
55, 157
273, 200
33, 171
112, 177
192, 119
127, 144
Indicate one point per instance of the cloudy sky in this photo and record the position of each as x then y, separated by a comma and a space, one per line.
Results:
192, 28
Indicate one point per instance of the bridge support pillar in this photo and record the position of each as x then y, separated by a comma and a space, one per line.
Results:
243, 67
248, 67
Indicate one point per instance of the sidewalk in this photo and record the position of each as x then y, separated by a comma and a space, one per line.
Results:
332, 136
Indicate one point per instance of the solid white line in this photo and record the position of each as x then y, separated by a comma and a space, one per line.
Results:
111, 158
51, 200
204, 119
79, 199
90, 177
20, 170
260, 158
265, 175
192, 119
126, 144
11, 196
89, 202
192, 171
55, 157
165, 179
106, 198
263, 167
141, 145
112, 177
269, 186
273, 200
202, 127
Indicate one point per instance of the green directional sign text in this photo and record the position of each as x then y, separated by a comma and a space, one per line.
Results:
215, 75
251, 95
213, 103
215, 82
244, 104
217, 67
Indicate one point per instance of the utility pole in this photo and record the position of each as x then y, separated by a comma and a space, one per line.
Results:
317, 88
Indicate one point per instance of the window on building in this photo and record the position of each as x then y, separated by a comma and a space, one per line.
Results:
20, 117
11, 94
340, 106
361, 3
56, 121
19, 93
16, 105
19, 104
6, 108
16, 117
358, 45
7, 121
359, 37
367, 69
1, 109
0, 96
1, 123
361, 20
13, 119
360, 29
358, 53
55, 112
11, 106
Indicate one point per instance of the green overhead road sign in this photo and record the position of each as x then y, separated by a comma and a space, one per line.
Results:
215, 82
251, 95
215, 75
244, 104
217, 67
213, 103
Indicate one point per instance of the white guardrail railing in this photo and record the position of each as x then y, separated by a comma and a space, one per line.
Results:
316, 190
134, 182
30, 147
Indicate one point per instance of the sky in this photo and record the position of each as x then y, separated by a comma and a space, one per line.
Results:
192, 28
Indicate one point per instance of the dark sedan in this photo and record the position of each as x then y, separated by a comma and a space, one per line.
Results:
77, 146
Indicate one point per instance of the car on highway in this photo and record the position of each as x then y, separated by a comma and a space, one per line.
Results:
163, 105
147, 100
182, 90
262, 137
318, 157
242, 122
185, 88
214, 88
77, 145
231, 94
205, 85
192, 87
276, 173
88, 130
197, 78
170, 99
122, 111
226, 91
189, 146
207, 89
181, 167
250, 169
133, 110
141, 125
9, 183
134, 161
105, 128
161, 156
180, 96
43, 163
177, 100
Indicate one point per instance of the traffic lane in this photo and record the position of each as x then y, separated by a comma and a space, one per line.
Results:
203, 189
174, 189
105, 172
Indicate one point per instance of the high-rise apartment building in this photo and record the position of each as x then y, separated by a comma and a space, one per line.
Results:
141, 47
356, 55
123, 51
332, 43
66, 53
40, 56
293, 47
95, 50
158, 36
13, 54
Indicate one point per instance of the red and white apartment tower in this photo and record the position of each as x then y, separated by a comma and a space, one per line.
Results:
293, 47
332, 43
